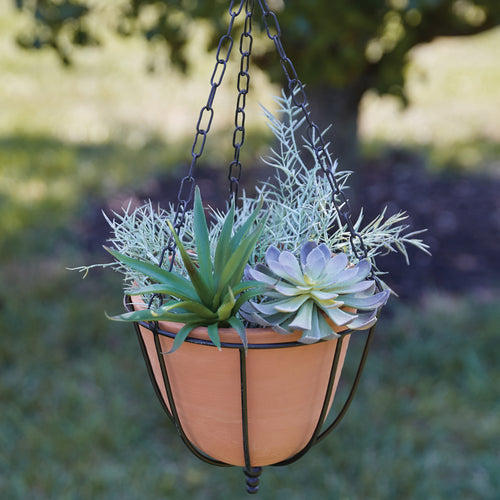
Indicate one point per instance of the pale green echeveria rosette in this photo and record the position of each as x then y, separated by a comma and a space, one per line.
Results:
304, 296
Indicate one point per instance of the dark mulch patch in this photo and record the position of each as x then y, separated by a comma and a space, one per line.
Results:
460, 211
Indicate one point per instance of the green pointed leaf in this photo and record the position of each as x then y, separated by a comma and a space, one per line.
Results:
154, 272
245, 227
243, 286
245, 297
163, 313
199, 284
225, 310
187, 292
142, 315
240, 329
150, 315
171, 311
235, 266
202, 240
181, 336
180, 318
223, 249
202, 311
213, 333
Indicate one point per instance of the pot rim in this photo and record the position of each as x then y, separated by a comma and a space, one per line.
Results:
258, 338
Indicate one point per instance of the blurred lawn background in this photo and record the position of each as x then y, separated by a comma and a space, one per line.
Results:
79, 418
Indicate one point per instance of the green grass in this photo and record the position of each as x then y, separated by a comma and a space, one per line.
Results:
79, 419
82, 420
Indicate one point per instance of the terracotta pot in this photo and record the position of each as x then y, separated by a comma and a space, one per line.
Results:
286, 388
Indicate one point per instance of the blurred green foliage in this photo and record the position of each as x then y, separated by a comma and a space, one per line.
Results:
360, 45
340, 49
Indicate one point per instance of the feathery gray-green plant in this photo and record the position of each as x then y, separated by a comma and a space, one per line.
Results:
142, 233
299, 201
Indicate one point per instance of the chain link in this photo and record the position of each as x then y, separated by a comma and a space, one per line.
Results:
323, 157
299, 99
186, 188
243, 83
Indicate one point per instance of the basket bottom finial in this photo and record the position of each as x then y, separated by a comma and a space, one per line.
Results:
252, 479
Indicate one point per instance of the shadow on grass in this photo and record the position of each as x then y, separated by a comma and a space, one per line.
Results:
50, 188
47, 185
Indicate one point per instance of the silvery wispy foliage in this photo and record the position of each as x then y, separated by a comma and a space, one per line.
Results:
142, 233
297, 200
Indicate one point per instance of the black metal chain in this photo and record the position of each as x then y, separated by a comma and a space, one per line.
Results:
299, 99
323, 157
243, 84
186, 188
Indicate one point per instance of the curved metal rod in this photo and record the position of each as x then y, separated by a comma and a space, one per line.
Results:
173, 408
324, 409
152, 377
244, 409
172, 412
354, 387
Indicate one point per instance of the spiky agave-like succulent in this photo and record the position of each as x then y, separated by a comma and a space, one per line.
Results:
304, 296
214, 292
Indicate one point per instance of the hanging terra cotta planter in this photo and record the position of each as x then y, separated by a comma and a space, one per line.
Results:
286, 384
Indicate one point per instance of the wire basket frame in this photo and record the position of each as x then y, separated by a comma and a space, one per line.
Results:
158, 358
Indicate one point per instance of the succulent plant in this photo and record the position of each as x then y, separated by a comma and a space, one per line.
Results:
214, 292
308, 295
298, 203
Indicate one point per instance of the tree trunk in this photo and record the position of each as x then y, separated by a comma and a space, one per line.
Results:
338, 107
